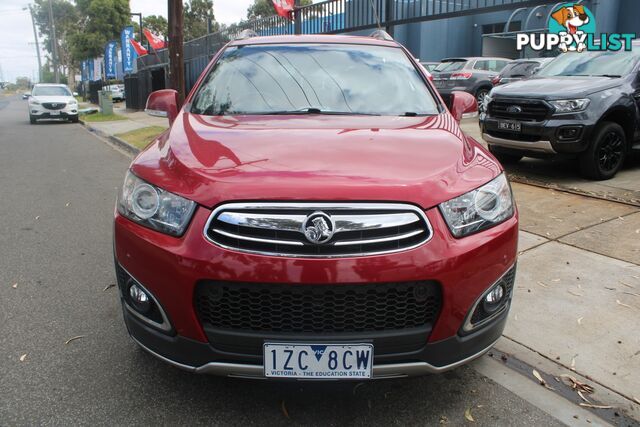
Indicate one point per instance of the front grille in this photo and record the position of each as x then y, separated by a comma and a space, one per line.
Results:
317, 309
54, 105
283, 229
530, 110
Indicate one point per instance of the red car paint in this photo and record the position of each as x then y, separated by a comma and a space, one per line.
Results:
211, 160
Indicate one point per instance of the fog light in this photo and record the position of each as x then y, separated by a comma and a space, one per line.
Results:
493, 299
139, 298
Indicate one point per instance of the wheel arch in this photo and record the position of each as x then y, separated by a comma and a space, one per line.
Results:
623, 117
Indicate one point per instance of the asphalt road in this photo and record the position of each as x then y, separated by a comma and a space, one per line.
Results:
57, 190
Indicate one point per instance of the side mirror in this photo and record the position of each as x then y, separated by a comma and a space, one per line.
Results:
163, 103
75, 93
463, 105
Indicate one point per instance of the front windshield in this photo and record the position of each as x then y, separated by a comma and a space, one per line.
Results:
50, 91
330, 78
606, 63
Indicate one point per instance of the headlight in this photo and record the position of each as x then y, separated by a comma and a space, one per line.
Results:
73, 102
479, 209
154, 207
570, 105
34, 101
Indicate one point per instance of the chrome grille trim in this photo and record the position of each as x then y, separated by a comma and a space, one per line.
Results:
349, 220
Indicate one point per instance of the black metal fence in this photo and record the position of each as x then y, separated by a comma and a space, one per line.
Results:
327, 17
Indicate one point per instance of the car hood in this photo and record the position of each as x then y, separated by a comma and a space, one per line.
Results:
421, 160
556, 87
55, 99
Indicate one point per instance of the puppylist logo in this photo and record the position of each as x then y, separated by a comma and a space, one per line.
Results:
572, 28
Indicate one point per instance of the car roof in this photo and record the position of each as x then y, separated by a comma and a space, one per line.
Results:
315, 38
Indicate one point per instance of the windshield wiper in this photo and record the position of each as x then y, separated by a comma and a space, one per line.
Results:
414, 114
613, 76
306, 110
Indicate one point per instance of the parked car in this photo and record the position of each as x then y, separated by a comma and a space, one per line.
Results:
26, 95
471, 75
430, 66
520, 69
52, 101
582, 105
315, 228
117, 92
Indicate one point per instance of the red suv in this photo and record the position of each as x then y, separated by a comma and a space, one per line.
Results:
315, 212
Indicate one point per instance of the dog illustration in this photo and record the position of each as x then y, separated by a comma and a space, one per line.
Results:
572, 18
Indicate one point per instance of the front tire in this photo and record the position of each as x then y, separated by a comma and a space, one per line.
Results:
74, 119
505, 158
481, 94
32, 119
606, 153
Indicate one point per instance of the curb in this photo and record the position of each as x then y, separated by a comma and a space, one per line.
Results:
120, 143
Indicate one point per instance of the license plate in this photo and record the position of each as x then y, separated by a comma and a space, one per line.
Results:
510, 126
318, 361
54, 113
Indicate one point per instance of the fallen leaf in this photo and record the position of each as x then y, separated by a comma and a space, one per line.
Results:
38, 217
106, 288
73, 339
467, 415
515, 317
543, 285
555, 280
623, 304
67, 205
14, 286
284, 409
23, 357
580, 320
573, 364
574, 293
541, 380
589, 405
582, 397
626, 284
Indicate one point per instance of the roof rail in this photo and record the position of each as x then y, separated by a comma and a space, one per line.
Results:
246, 34
381, 35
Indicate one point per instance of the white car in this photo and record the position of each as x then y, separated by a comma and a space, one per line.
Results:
117, 92
52, 101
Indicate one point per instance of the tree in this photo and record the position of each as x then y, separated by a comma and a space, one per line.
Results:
65, 17
263, 8
155, 23
23, 82
197, 14
100, 22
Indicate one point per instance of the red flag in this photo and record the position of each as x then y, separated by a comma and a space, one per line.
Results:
141, 51
284, 7
154, 41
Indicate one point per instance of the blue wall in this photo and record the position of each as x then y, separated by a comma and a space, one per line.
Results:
435, 40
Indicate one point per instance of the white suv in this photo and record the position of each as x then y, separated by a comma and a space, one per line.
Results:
52, 101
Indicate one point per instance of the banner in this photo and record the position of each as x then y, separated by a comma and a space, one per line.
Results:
140, 50
128, 53
284, 7
85, 70
110, 60
91, 72
154, 41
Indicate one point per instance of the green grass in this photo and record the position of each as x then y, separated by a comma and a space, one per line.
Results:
99, 117
140, 138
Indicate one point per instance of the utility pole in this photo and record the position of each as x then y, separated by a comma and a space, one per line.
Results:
176, 37
54, 42
35, 36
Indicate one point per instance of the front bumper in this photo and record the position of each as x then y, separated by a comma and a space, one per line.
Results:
40, 112
540, 138
171, 268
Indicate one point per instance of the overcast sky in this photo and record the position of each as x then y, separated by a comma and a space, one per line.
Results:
18, 53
